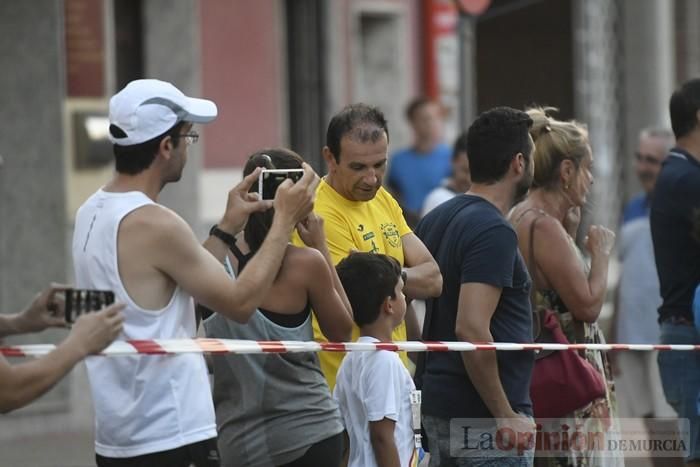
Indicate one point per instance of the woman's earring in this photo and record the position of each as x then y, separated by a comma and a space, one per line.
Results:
566, 187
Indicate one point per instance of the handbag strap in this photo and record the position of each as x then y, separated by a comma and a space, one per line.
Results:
531, 254
532, 266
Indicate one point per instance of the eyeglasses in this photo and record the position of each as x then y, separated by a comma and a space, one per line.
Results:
651, 160
190, 138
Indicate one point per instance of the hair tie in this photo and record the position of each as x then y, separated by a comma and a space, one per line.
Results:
262, 160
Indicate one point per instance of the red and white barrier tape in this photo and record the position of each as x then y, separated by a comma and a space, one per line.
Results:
226, 346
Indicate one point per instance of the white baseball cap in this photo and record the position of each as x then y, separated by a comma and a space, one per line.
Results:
147, 108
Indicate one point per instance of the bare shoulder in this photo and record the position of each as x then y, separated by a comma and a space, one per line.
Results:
303, 257
516, 212
151, 215
301, 267
549, 228
154, 222
523, 212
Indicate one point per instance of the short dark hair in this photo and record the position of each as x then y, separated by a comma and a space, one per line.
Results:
684, 106
494, 139
460, 145
355, 119
259, 223
368, 279
415, 105
134, 159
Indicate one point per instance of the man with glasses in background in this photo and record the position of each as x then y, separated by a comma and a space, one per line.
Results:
157, 410
640, 394
654, 144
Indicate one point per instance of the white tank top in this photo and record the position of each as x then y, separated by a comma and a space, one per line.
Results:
143, 404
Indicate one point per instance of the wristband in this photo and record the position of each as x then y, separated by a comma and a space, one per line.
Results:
227, 238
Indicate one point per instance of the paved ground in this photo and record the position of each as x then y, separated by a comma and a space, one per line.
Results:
58, 450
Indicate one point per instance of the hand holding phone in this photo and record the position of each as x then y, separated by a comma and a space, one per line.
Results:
45, 310
270, 179
295, 201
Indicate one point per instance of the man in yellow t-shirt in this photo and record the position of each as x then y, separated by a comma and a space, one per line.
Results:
361, 215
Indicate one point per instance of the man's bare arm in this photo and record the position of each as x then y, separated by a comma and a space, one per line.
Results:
23, 383
197, 270
477, 304
45, 310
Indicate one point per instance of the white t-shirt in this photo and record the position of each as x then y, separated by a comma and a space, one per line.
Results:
435, 198
639, 295
371, 386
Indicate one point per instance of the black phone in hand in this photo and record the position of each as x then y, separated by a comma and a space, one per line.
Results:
81, 301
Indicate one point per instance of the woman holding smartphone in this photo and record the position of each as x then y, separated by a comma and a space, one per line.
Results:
276, 409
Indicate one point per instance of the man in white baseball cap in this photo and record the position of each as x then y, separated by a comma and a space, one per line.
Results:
157, 410
147, 108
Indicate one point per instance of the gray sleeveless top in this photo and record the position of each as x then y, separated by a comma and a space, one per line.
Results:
270, 408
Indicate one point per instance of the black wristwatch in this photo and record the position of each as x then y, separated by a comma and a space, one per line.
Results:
404, 276
227, 238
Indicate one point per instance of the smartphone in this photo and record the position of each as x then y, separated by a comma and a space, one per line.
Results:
270, 179
81, 301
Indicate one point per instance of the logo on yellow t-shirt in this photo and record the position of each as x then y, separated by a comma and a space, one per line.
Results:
391, 233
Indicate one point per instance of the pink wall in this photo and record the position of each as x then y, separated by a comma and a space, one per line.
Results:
241, 72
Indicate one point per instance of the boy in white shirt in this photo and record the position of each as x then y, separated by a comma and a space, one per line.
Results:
373, 389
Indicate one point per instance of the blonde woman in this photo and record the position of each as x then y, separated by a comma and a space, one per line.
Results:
546, 222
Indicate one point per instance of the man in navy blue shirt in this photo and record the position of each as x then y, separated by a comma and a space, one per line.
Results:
675, 205
486, 297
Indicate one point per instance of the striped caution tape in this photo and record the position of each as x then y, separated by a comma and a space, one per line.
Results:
227, 346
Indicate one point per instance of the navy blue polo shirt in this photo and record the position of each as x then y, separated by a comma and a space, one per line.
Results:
674, 207
473, 243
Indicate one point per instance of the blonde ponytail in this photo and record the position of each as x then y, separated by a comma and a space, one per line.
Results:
555, 141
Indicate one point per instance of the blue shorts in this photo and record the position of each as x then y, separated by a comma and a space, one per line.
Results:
440, 438
680, 378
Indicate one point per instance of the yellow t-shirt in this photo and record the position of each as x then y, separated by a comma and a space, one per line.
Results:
375, 226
